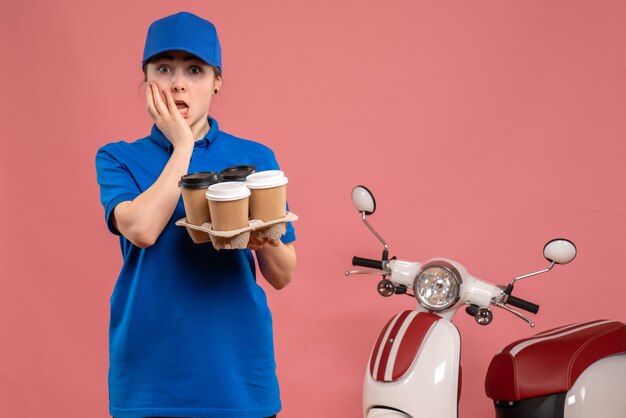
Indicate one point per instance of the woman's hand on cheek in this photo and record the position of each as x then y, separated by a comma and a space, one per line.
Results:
168, 119
257, 243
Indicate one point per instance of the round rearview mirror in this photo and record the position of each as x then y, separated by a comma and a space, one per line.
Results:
363, 200
560, 251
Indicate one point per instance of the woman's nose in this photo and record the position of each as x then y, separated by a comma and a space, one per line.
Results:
178, 85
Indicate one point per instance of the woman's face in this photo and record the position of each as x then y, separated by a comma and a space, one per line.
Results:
190, 81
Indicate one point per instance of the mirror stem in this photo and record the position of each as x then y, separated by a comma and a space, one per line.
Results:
532, 274
375, 233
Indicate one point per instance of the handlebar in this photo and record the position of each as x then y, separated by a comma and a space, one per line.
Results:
367, 262
523, 304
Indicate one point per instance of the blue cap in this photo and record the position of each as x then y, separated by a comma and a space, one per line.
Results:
184, 32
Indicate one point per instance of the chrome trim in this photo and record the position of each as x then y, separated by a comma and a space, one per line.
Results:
483, 316
385, 288
502, 297
452, 270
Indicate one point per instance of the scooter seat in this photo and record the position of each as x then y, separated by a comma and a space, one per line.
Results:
551, 361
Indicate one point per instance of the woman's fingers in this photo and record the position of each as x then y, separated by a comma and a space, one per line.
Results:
256, 242
158, 101
150, 102
171, 106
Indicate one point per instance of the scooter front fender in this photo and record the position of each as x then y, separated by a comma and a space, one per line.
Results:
429, 388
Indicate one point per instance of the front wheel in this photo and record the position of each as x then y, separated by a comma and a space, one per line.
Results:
386, 413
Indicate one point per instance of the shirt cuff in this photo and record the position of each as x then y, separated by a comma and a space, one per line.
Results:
111, 206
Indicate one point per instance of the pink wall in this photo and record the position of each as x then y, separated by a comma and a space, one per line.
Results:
485, 128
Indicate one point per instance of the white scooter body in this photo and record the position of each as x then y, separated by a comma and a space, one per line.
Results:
429, 388
599, 390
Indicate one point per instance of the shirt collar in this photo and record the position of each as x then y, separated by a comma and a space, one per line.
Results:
157, 136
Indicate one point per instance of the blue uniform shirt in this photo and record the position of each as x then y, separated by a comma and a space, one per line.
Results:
190, 331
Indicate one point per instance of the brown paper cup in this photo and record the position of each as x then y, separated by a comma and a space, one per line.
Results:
196, 207
268, 204
193, 187
228, 204
229, 215
268, 200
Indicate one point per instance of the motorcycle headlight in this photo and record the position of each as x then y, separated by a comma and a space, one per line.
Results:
437, 285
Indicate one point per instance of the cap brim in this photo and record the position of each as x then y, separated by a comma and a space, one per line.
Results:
184, 49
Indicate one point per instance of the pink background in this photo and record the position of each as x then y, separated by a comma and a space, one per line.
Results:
484, 128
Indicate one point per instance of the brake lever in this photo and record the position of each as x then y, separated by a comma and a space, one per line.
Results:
513, 311
376, 272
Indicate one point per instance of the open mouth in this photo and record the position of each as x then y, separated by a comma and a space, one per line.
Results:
182, 107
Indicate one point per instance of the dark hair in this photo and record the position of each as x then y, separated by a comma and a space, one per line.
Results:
216, 71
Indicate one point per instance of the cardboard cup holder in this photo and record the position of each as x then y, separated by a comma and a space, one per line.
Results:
237, 239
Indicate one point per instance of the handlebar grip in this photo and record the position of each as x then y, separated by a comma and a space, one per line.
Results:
367, 262
523, 304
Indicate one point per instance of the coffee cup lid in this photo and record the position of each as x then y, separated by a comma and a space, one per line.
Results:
228, 190
200, 180
237, 172
266, 179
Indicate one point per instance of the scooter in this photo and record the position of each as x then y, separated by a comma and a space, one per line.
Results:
575, 371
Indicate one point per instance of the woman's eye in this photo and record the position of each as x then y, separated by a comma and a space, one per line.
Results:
163, 68
195, 70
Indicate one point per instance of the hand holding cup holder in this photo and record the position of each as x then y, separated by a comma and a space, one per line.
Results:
238, 238
240, 209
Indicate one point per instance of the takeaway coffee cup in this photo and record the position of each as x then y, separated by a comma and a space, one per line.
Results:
194, 187
268, 198
237, 172
228, 204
